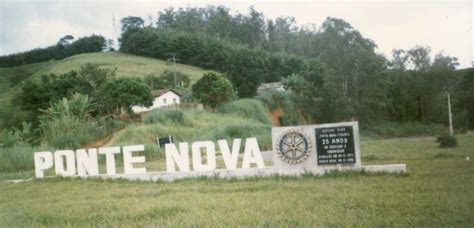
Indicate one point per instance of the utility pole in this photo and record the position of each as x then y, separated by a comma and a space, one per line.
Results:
450, 116
173, 58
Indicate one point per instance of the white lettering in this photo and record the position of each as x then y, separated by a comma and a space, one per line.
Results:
87, 163
70, 168
43, 161
110, 158
252, 154
230, 160
128, 159
197, 158
175, 157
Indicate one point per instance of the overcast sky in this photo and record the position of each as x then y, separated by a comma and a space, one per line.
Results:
442, 25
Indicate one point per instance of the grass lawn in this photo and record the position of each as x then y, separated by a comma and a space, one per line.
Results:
437, 191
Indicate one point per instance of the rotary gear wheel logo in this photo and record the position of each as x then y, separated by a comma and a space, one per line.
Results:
293, 147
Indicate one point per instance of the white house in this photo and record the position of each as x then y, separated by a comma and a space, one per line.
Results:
162, 98
267, 87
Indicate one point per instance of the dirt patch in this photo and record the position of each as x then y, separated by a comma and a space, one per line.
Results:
275, 116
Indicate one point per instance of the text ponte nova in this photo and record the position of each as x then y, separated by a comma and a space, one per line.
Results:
85, 162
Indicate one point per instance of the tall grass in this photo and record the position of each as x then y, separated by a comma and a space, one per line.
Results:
17, 158
69, 132
190, 126
247, 108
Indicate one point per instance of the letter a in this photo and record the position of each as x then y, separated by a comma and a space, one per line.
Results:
252, 154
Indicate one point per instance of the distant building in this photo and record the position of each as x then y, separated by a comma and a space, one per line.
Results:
164, 97
267, 87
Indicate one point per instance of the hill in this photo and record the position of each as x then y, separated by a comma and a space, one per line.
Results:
126, 64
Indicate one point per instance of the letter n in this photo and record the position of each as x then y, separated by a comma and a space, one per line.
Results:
175, 157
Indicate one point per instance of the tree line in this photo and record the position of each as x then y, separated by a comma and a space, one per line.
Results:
65, 47
335, 72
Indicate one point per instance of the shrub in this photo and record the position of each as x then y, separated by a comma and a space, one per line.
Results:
447, 141
247, 108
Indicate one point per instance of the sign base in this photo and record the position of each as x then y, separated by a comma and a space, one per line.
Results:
252, 172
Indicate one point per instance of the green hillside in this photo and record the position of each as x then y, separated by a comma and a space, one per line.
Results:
126, 64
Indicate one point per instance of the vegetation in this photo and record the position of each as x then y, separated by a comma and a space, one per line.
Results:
169, 79
397, 130
123, 93
213, 89
288, 103
437, 191
248, 108
334, 70
69, 124
190, 126
447, 141
64, 48
18, 158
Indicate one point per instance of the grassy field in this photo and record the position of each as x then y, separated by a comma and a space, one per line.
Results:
436, 191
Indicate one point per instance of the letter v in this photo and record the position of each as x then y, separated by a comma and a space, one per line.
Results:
230, 160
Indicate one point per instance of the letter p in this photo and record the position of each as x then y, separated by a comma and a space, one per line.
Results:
43, 161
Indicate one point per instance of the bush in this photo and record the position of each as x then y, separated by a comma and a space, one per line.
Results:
447, 141
247, 108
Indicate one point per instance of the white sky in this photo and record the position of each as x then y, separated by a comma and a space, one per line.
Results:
443, 25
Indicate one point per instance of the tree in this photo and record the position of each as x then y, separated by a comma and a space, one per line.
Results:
39, 93
131, 22
246, 71
466, 98
213, 89
123, 93
65, 40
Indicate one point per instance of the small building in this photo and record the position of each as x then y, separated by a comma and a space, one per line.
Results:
267, 87
162, 98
